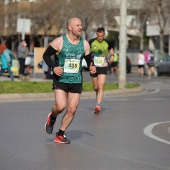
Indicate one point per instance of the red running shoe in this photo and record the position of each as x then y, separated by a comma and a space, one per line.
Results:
49, 123
61, 139
97, 109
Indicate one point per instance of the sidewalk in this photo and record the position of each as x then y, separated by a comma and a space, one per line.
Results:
50, 96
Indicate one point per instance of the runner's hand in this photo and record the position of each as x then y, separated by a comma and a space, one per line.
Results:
92, 69
58, 71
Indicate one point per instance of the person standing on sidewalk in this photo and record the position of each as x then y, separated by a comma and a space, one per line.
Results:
22, 53
141, 63
114, 64
100, 48
6, 59
151, 64
67, 75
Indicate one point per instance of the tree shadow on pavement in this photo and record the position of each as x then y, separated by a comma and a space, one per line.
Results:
72, 135
76, 134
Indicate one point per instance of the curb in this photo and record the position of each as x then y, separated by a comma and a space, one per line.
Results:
50, 96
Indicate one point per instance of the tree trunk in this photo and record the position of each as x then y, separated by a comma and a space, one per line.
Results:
161, 42
141, 40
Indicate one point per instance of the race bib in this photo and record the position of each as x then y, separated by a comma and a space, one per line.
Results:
71, 65
98, 61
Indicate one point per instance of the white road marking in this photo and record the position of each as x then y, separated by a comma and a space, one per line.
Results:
148, 132
155, 91
155, 99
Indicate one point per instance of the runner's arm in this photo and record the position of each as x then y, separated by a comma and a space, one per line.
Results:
111, 51
47, 56
87, 56
51, 50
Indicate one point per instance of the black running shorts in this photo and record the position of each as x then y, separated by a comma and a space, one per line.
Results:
114, 64
140, 66
68, 87
100, 70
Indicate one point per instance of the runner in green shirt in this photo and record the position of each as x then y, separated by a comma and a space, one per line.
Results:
100, 48
67, 75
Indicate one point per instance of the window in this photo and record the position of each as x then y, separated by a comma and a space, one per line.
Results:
6, 21
5, 2
28, 0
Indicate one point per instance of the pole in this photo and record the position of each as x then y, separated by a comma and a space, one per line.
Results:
169, 45
23, 29
122, 45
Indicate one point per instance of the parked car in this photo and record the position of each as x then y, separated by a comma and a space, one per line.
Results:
15, 67
30, 57
163, 66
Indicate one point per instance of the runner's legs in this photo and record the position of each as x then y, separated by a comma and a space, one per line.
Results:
73, 101
100, 85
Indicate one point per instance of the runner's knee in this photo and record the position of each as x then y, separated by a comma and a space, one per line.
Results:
71, 111
57, 109
95, 89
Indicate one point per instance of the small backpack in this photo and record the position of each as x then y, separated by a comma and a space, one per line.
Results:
151, 59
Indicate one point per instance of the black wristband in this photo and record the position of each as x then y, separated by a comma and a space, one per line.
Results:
47, 56
88, 59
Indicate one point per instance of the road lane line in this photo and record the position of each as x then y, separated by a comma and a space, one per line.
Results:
154, 99
148, 132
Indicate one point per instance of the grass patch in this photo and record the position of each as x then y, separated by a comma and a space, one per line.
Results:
46, 87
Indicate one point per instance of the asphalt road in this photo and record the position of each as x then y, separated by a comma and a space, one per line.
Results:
131, 133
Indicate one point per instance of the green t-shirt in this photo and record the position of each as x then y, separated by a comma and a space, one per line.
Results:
99, 48
99, 51
115, 59
70, 58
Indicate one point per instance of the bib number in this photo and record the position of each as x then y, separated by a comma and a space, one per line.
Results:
98, 61
71, 66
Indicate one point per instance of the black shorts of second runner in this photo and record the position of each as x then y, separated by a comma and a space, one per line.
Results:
114, 64
150, 65
100, 70
68, 87
140, 66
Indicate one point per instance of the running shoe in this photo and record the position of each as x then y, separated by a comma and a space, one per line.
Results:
61, 139
97, 109
49, 123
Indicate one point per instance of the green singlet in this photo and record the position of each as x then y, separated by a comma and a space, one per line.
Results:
70, 58
99, 51
115, 59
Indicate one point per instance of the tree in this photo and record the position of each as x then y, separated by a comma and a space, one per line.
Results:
161, 8
161, 11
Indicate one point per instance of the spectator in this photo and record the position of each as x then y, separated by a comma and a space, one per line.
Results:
151, 64
6, 58
114, 64
141, 63
22, 53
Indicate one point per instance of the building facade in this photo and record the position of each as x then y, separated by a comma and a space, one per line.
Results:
10, 12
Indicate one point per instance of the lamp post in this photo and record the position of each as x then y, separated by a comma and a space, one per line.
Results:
122, 45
